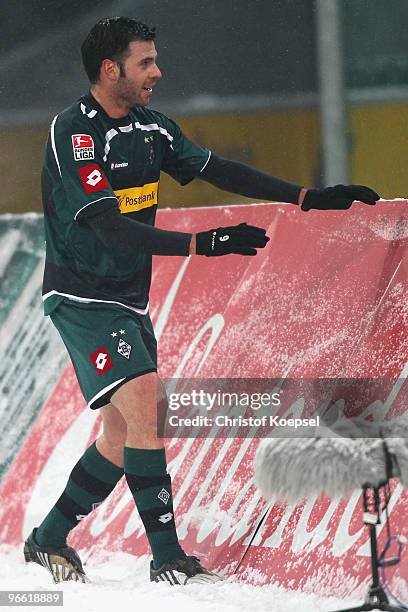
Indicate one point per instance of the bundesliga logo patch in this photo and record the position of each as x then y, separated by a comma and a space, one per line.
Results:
83, 147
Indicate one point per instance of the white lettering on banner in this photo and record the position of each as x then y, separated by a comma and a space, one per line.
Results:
343, 541
103, 519
213, 512
215, 324
301, 537
134, 526
275, 540
239, 529
304, 540
187, 482
207, 527
176, 462
374, 408
64, 456
244, 525
229, 524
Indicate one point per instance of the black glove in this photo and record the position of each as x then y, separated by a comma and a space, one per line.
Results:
242, 239
339, 197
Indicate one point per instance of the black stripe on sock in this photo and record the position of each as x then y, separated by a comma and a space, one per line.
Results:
69, 508
89, 483
151, 520
137, 483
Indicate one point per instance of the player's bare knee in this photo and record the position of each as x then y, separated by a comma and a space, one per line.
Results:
137, 399
115, 439
114, 426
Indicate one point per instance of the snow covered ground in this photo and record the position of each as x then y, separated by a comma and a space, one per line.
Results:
122, 584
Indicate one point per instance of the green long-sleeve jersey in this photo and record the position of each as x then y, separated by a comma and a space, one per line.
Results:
93, 163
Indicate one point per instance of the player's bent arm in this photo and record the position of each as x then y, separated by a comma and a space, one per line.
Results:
119, 233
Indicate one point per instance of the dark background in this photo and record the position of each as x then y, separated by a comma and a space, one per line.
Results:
240, 77
213, 47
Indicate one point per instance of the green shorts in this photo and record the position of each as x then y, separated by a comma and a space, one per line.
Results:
108, 346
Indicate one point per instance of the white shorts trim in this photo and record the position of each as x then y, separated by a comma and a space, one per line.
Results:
77, 298
104, 390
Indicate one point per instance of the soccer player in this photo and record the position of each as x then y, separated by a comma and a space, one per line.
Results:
100, 186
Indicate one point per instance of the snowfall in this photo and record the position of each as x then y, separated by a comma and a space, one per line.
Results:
122, 582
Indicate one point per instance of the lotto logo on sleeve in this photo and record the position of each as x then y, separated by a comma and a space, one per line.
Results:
101, 360
92, 178
83, 147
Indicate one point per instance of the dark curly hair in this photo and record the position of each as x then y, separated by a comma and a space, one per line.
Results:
110, 39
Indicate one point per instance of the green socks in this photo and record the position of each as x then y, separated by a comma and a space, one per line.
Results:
90, 482
146, 475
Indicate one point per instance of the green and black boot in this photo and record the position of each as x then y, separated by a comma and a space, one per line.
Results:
62, 562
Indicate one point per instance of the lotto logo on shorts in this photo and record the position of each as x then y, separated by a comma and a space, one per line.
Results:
101, 360
92, 178
83, 147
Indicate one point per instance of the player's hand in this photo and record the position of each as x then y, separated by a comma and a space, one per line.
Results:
339, 197
242, 239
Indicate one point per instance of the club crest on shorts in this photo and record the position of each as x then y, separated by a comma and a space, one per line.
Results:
101, 360
124, 349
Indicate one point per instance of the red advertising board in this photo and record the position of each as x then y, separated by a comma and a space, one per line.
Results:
326, 298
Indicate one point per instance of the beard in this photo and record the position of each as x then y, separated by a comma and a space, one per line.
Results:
127, 94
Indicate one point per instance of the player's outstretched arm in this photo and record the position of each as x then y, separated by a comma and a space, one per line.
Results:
236, 177
119, 233
245, 180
